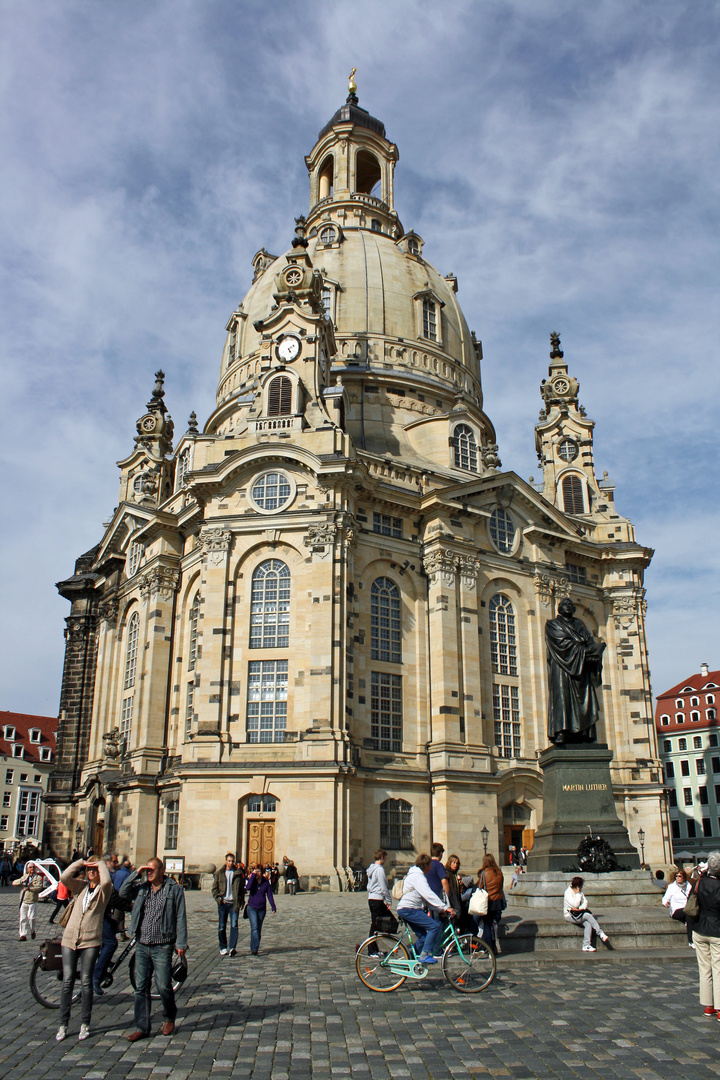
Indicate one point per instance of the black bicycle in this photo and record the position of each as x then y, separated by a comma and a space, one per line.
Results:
46, 975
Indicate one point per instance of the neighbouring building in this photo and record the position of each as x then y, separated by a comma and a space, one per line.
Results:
314, 624
687, 730
27, 757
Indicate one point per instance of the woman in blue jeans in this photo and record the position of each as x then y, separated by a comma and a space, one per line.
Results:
259, 892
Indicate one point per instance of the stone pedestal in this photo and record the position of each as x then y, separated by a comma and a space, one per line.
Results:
577, 797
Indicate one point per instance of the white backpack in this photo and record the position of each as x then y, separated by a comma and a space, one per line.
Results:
397, 889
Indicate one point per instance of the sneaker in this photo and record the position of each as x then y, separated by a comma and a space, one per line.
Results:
709, 1011
377, 955
428, 959
61, 1033
603, 937
233, 952
691, 944
589, 948
84, 1032
33, 935
22, 938
223, 952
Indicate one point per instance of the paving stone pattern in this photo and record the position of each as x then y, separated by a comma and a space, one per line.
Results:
299, 1011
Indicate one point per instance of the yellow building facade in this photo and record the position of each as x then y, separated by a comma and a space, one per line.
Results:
316, 626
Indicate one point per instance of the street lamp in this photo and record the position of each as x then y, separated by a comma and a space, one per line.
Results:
484, 832
78, 837
641, 838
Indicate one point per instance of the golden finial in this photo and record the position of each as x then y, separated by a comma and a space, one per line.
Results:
352, 85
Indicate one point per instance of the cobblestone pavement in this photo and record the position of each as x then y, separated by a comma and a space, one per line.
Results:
299, 1011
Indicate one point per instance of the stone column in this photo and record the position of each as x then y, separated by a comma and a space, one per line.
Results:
210, 704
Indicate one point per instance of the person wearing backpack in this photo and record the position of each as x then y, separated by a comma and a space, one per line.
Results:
379, 898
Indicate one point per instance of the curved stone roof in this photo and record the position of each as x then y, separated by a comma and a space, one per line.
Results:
351, 113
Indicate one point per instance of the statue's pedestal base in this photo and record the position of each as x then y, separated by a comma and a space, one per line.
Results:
577, 798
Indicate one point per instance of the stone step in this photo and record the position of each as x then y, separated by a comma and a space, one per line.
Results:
545, 930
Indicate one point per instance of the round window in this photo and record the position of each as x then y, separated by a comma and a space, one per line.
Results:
502, 530
327, 235
271, 491
294, 276
568, 450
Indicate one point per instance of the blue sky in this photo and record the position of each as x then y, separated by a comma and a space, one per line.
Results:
561, 158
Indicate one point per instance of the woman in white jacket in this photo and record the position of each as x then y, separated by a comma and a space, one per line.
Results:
675, 898
416, 894
575, 911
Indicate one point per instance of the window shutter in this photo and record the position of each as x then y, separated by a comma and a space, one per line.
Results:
280, 397
573, 495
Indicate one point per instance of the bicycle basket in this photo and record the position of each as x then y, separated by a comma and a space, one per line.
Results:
52, 955
387, 924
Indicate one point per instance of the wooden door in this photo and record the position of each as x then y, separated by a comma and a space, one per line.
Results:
513, 836
261, 842
98, 836
528, 838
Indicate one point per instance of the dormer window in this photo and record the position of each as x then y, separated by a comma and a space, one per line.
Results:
328, 234
280, 396
9, 732
413, 246
465, 448
429, 317
375, 225
572, 491
45, 753
35, 735
18, 751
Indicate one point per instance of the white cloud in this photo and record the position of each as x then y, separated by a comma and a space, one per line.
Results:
560, 158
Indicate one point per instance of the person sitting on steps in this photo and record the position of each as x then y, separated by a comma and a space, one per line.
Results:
575, 910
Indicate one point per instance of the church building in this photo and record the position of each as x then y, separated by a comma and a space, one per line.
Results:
315, 623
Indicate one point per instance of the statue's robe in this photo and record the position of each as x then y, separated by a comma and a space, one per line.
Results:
574, 660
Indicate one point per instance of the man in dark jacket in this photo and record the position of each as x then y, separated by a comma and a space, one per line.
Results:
228, 889
159, 924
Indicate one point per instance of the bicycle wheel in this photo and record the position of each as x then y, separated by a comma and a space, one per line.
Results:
471, 967
176, 984
46, 986
372, 962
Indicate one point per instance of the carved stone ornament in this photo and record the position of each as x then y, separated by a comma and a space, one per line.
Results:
112, 744
108, 610
548, 585
76, 634
216, 543
468, 568
441, 566
161, 582
490, 456
320, 538
626, 607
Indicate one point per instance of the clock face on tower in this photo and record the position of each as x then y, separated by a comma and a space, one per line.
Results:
288, 348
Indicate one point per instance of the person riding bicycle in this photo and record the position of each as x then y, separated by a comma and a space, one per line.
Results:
416, 895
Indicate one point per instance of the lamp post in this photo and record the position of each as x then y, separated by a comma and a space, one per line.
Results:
641, 838
484, 832
78, 837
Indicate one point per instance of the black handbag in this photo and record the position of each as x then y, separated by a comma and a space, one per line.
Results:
387, 924
52, 955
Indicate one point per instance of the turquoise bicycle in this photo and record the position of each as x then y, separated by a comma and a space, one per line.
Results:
385, 961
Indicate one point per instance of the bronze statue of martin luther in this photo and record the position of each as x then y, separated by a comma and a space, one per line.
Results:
574, 659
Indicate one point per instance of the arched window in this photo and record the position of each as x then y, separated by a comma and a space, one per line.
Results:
270, 606
134, 558
385, 635
133, 631
694, 717
710, 714
697, 743
679, 703
679, 718
172, 821
396, 825
572, 490
503, 645
694, 701
665, 720
182, 468
280, 397
128, 701
465, 448
193, 633
502, 530
325, 187
262, 804
429, 318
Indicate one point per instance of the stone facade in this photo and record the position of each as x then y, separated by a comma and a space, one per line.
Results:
316, 626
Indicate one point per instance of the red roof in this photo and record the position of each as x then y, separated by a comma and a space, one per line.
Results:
23, 723
696, 686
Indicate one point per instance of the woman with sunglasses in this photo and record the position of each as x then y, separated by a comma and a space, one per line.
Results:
82, 937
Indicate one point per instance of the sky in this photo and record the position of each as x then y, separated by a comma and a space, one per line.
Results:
561, 158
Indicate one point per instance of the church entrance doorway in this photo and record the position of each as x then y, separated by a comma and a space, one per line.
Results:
516, 831
260, 843
97, 834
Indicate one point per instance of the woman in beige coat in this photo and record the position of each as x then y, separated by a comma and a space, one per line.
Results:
82, 937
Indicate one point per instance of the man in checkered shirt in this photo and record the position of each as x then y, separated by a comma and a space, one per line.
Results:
159, 925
